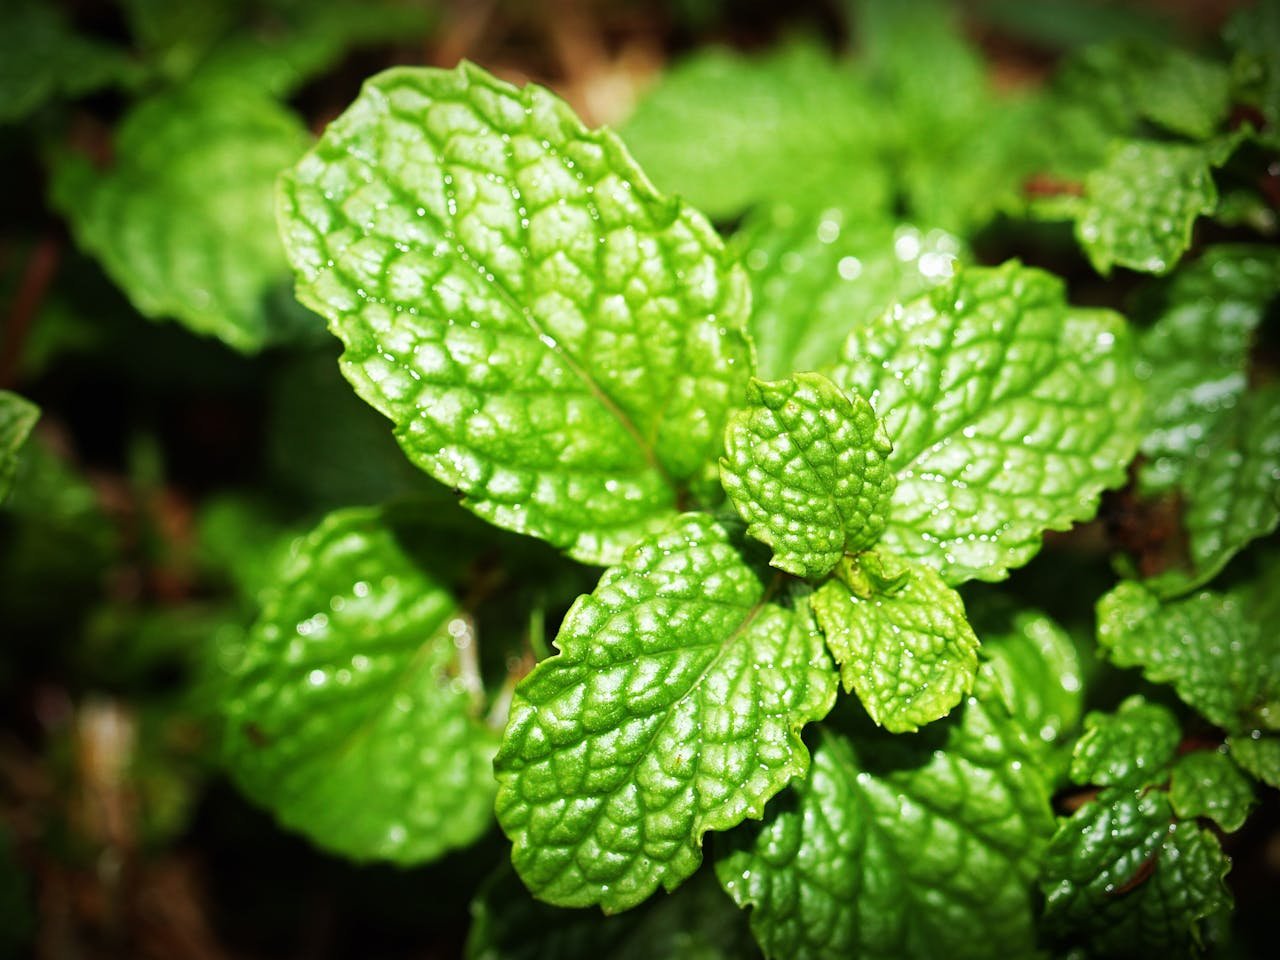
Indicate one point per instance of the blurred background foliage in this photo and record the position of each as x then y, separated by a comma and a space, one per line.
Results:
194, 418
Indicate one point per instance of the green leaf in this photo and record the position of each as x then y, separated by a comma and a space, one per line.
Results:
910, 654
900, 846
549, 335
17, 417
805, 467
42, 59
1180, 91
1221, 661
1233, 483
1139, 206
356, 674
1009, 412
1207, 784
695, 922
1193, 359
1254, 33
727, 131
183, 219
1132, 746
1259, 755
1124, 878
674, 707
818, 269
1036, 667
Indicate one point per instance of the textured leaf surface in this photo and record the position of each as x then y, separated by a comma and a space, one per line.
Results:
188, 233
727, 131
818, 270
806, 468
17, 416
350, 714
549, 335
1259, 755
909, 653
895, 848
696, 922
1124, 878
1233, 484
1139, 206
674, 708
1208, 784
1008, 410
1218, 659
1133, 746
1193, 358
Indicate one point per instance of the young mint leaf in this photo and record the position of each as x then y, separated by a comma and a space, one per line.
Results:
1132, 746
549, 335
1123, 878
674, 708
910, 654
1207, 784
1009, 413
806, 468
695, 922
728, 131
819, 268
355, 675
1036, 667
1139, 206
1220, 660
902, 846
188, 233
1193, 358
17, 416
1259, 755
1233, 483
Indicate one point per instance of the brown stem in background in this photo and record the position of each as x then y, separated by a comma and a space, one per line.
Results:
38, 273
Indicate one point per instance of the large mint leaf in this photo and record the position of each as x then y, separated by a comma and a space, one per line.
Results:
1208, 784
901, 846
806, 467
1009, 413
1193, 358
728, 131
674, 707
818, 269
1133, 746
356, 675
183, 219
695, 922
907, 650
1232, 485
17, 416
1125, 879
1219, 659
549, 335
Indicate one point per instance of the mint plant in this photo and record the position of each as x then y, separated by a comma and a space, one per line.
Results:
831, 516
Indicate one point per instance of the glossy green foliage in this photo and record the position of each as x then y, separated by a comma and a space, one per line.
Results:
696, 922
189, 234
1193, 358
1009, 413
674, 707
17, 417
352, 711
906, 649
805, 466
42, 59
1209, 784
1133, 746
900, 847
1259, 755
550, 336
1219, 658
820, 269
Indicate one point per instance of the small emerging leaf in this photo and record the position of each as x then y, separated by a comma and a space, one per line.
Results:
17, 416
910, 654
1208, 784
806, 467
